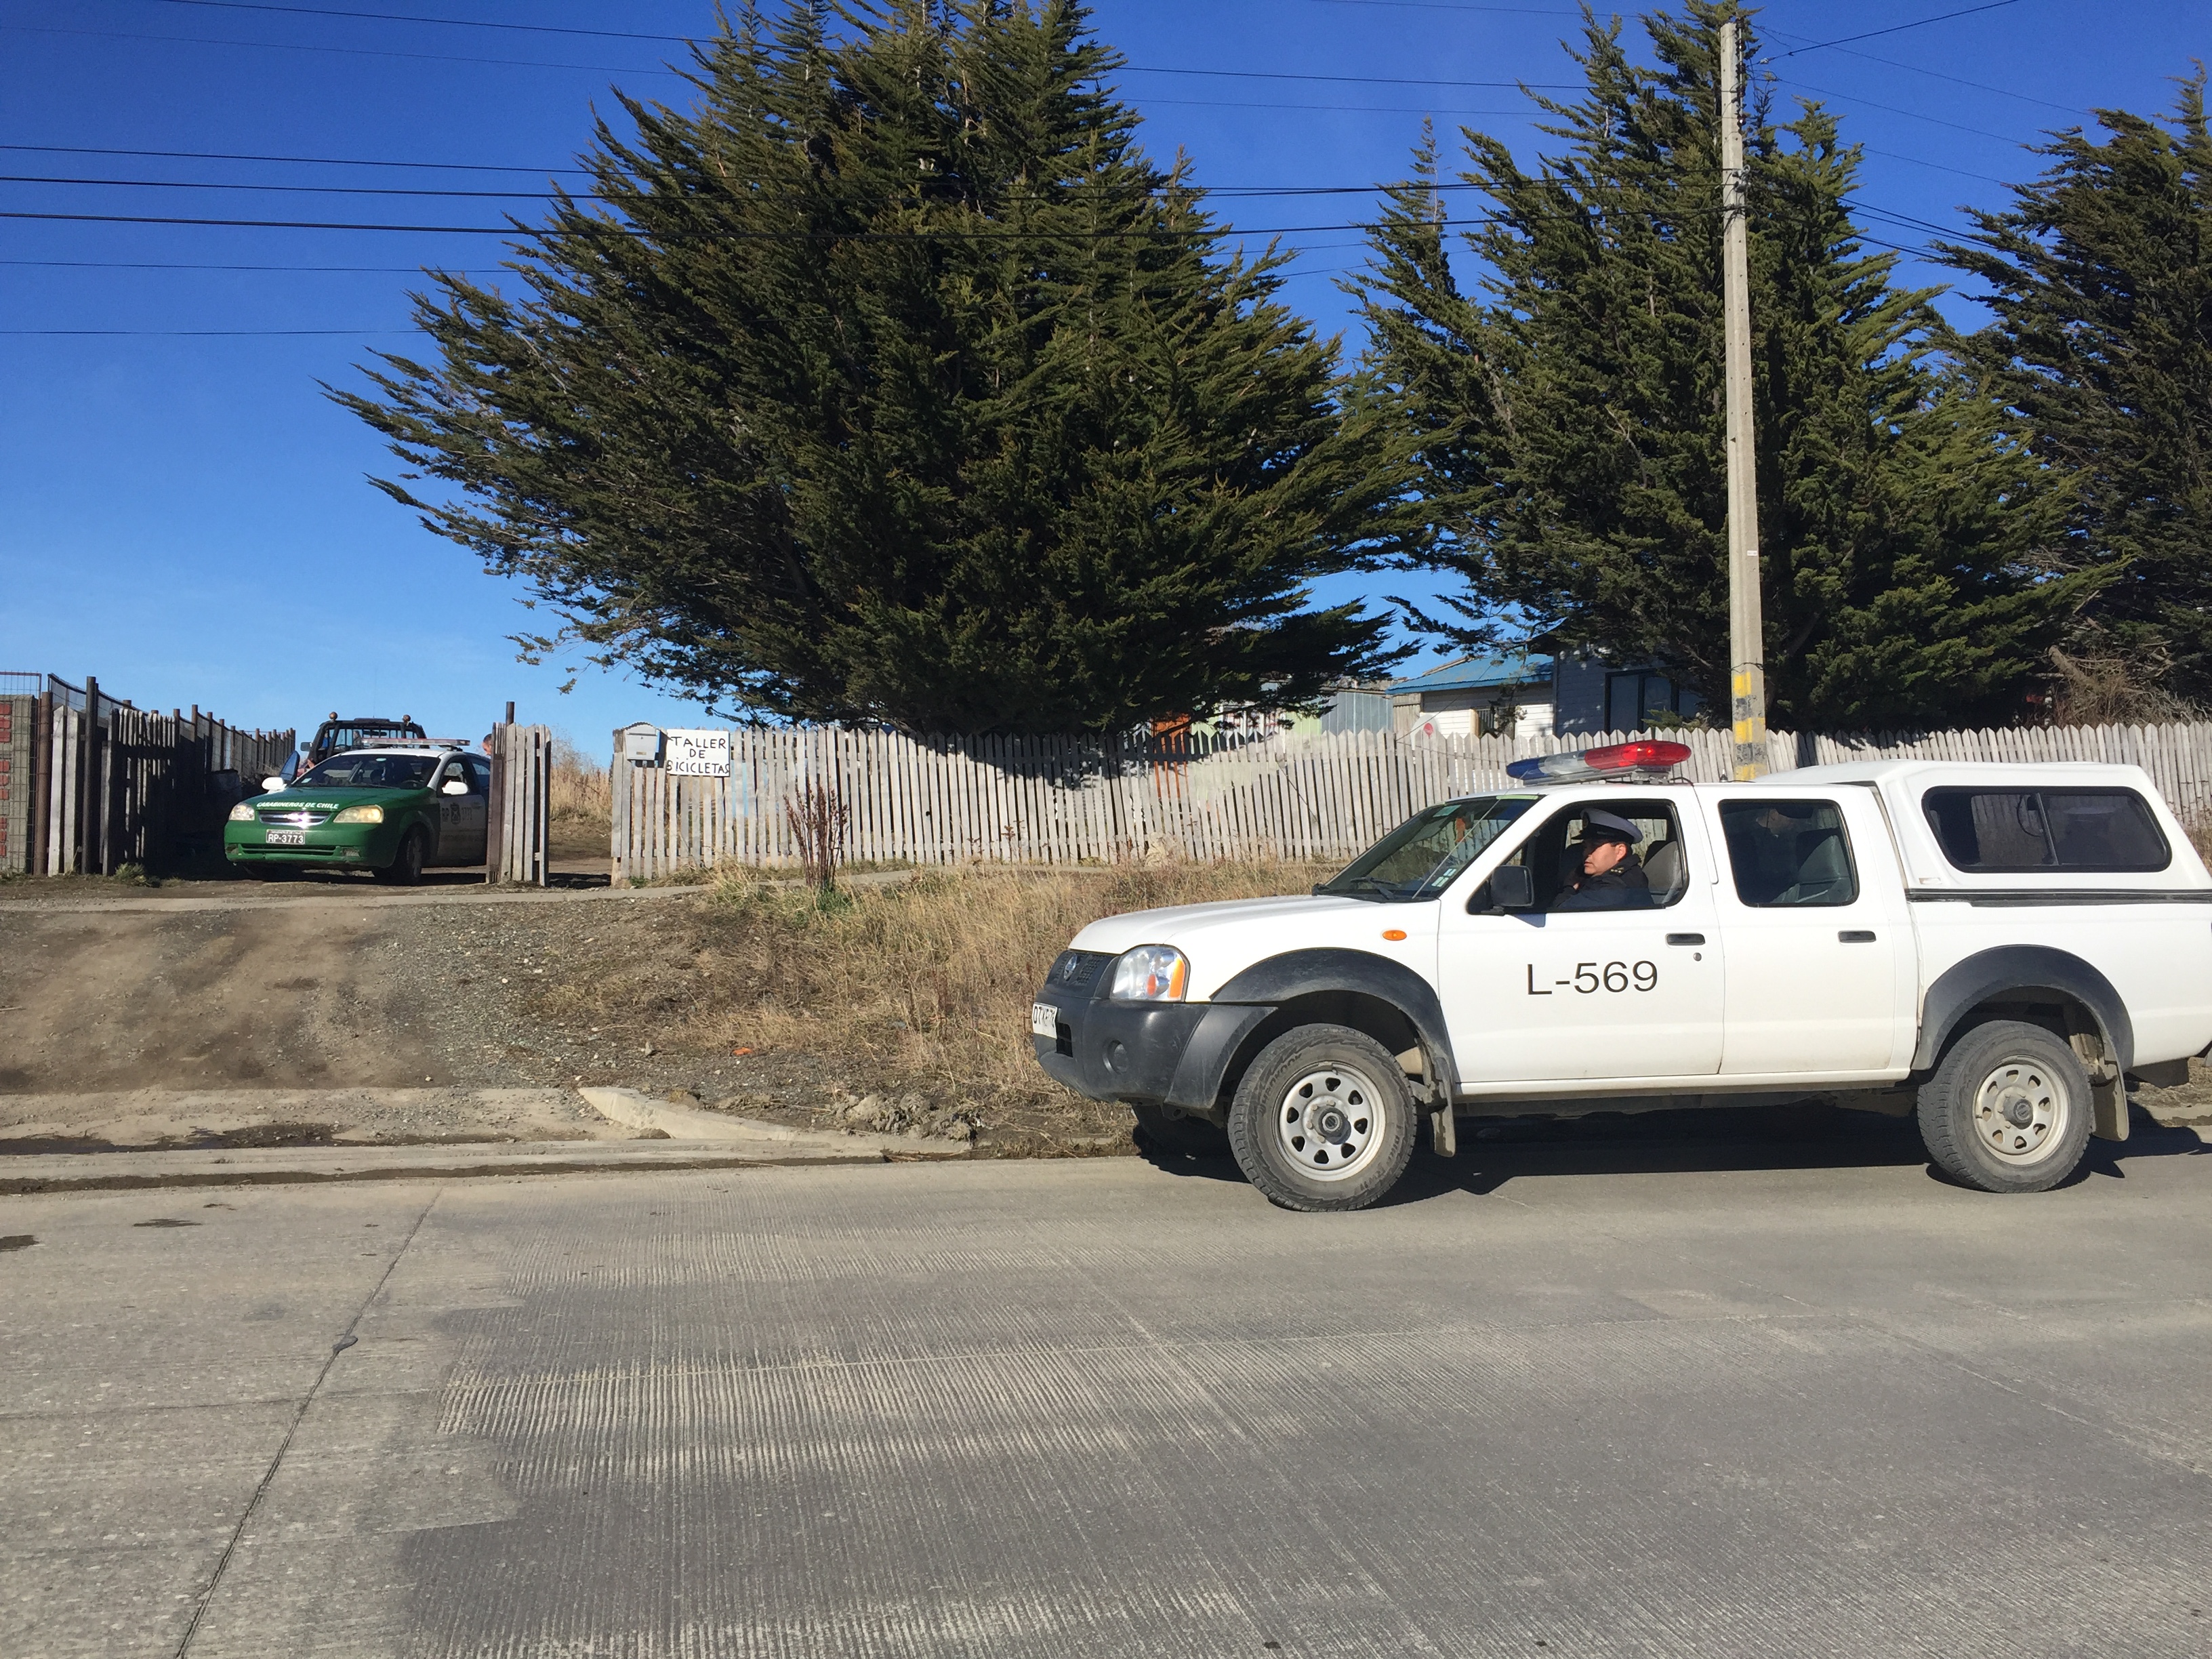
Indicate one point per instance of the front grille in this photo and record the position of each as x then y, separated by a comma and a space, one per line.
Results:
295, 819
1076, 971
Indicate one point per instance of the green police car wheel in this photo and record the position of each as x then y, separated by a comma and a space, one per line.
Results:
405, 869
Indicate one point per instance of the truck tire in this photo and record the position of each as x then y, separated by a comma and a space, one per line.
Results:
405, 869
2009, 1109
1166, 1130
1322, 1121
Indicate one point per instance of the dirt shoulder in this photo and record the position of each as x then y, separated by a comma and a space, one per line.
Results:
352, 1012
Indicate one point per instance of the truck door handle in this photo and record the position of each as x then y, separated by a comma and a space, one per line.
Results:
1686, 939
1856, 936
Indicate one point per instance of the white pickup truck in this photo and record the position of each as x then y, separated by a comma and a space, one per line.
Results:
2010, 943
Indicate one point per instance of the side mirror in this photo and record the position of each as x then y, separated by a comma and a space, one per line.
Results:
454, 787
1512, 888
271, 786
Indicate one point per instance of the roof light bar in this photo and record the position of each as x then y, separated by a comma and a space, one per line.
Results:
1645, 756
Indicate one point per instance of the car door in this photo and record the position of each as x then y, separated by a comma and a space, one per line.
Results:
474, 825
1547, 994
1814, 929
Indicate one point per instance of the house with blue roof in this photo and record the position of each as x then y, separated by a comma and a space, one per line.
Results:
1530, 693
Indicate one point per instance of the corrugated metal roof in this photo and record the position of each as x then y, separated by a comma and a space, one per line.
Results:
1476, 674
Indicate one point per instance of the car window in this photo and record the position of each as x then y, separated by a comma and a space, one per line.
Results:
2017, 831
360, 771
1656, 874
1789, 853
1425, 854
479, 773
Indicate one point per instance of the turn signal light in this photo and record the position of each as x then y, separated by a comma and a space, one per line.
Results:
1647, 755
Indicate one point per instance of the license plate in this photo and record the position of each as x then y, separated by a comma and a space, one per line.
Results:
1044, 1020
284, 838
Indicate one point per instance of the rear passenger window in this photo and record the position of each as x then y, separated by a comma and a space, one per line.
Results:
1785, 853
2019, 831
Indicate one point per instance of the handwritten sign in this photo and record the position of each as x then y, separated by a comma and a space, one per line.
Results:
698, 754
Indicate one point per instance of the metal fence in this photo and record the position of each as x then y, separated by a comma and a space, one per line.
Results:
1070, 800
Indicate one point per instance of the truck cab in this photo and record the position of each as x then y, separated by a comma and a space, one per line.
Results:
1995, 947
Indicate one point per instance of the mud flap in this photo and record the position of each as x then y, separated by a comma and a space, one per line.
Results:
1443, 1134
2109, 1120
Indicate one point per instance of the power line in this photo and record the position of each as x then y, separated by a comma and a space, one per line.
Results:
1898, 29
195, 333
449, 22
1955, 80
303, 161
294, 190
342, 51
172, 264
1854, 98
1456, 5
611, 69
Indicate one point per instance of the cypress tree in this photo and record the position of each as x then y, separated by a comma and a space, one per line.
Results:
2101, 280
1566, 415
894, 383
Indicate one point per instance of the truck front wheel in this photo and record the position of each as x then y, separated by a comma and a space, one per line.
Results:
2008, 1108
1322, 1120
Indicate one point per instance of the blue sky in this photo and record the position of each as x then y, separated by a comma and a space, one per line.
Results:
184, 514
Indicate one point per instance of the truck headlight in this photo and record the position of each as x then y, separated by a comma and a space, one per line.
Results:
360, 815
1150, 973
241, 813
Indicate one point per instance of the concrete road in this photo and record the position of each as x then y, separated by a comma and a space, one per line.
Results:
1566, 1398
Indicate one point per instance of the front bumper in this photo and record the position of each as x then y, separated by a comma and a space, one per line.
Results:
361, 846
1175, 1052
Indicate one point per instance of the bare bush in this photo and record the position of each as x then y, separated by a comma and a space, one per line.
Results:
819, 818
2118, 690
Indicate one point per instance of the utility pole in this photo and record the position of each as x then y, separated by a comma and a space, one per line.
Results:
1746, 629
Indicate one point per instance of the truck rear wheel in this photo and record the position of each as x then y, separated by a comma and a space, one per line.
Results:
2008, 1108
1322, 1120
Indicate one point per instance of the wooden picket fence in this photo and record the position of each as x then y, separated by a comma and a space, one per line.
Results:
1070, 800
90, 784
516, 839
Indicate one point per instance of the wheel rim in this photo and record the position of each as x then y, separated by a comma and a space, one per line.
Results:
1330, 1123
2020, 1112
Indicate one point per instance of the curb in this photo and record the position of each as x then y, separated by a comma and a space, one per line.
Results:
62, 1172
639, 1110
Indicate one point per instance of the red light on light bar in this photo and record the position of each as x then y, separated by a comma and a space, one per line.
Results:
1649, 755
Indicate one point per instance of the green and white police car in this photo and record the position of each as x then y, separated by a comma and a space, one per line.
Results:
392, 808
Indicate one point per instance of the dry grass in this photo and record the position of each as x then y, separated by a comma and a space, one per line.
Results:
579, 787
922, 983
934, 976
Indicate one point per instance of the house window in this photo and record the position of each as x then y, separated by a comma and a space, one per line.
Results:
1631, 698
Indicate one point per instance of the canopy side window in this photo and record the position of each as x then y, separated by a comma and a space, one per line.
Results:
2037, 831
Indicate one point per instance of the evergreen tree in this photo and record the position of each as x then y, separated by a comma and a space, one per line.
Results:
896, 384
1568, 422
2102, 349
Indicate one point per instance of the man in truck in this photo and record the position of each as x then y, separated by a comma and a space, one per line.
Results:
1613, 878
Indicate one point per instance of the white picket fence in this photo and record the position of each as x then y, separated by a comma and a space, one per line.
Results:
1068, 800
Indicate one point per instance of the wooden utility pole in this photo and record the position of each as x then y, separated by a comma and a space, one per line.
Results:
1747, 629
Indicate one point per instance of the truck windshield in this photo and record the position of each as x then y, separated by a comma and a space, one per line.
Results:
356, 771
1421, 858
